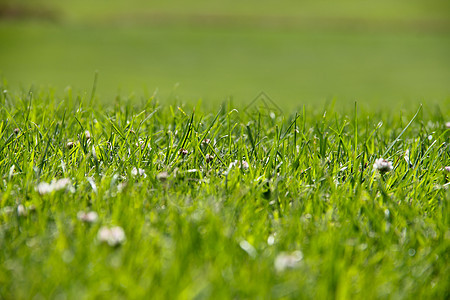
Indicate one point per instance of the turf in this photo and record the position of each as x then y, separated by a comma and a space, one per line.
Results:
214, 64
296, 51
309, 218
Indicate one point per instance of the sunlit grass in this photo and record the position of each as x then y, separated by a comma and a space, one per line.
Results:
223, 203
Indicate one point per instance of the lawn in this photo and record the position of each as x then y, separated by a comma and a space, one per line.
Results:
224, 149
296, 53
141, 199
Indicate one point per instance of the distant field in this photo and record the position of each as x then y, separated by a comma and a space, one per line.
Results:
162, 193
399, 10
297, 52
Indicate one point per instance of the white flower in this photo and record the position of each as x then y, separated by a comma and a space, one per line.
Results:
271, 239
45, 188
139, 171
288, 260
237, 163
61, 184
446, 169
22, 211
447, 124
382, 165
88, 217
162, 176
247, 247
87, 134
408, 161
114, 236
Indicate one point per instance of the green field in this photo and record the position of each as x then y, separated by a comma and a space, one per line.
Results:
256, 205
296, 53
225, 149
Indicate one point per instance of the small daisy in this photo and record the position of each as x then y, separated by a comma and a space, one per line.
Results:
382, 165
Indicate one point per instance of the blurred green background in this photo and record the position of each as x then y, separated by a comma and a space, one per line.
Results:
376, 52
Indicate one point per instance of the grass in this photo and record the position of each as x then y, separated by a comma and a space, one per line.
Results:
295, 51
383, 10
309, 218
213, 64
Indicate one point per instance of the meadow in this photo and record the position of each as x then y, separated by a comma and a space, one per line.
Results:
224, 149
145, 200
295, 51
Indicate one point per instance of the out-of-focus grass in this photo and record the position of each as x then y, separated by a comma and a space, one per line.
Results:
291, 66
295, 51
345, 9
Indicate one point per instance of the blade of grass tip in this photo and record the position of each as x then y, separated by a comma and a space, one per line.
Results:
252, 142
30, 97
187, 133
11, 117
403, 131
290, 126
41, 164
356, 131
94, 88
355, 147
114, 127
212, 124
147, 118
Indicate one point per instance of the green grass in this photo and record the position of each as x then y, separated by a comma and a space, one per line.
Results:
293, 66
211, 230
296, 51
383, 10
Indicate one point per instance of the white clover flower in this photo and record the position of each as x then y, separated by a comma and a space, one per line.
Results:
237, 163
209, 158
113, 236
271, 239
45, 188
87, 135
288, 260
88, 217
447, 124
408, 161
382, 165
61, 184
446, 169
139, 171
162, 176
22, 211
